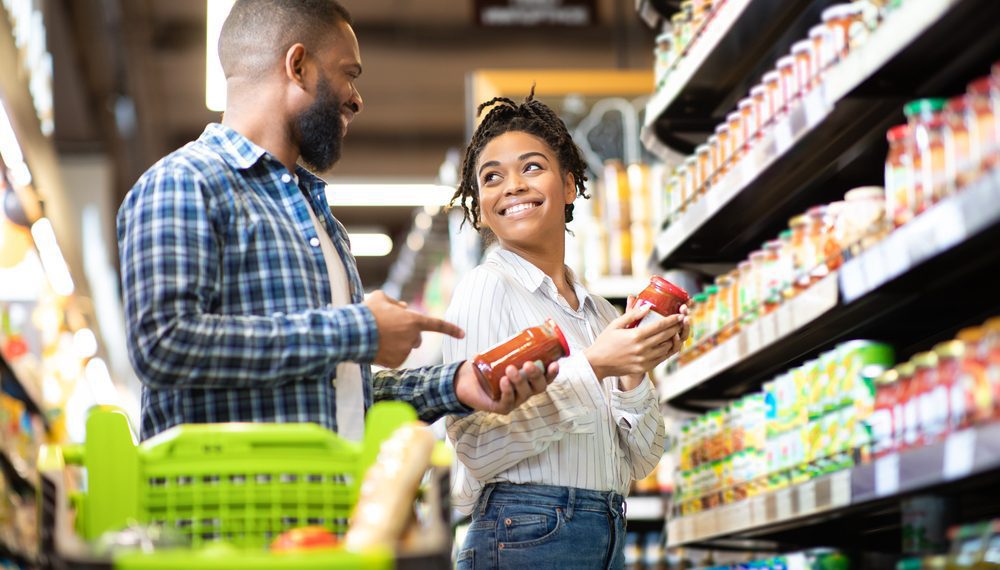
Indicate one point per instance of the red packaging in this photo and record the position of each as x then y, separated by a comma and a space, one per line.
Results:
544, 342
664, 297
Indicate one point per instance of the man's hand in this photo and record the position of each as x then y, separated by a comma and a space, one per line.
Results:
399, 328
515, 388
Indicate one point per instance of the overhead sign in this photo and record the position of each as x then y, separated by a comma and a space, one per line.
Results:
530, 13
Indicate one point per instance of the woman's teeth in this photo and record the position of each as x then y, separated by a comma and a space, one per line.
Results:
519, 208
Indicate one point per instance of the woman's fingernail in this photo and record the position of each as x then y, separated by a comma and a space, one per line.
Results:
540, 365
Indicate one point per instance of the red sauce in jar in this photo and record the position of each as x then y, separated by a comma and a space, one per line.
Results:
544, 342
664, 297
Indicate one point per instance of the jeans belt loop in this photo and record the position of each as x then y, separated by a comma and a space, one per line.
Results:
570, 503
484, 498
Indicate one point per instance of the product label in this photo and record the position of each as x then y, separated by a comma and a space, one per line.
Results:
650, 318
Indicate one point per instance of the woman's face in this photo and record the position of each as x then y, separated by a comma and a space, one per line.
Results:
522, 191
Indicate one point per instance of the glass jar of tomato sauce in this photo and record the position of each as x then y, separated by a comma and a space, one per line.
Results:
927, 129
932, 399
544, 342
881, 422
973, 380
663, 297
899, 176
983, 123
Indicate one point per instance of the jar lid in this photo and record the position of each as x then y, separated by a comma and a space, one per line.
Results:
818, 30
758, 90
785, 61
559, 335
724, 127
662, 284
677, 17
744, 103
925, 360
773, 244
665, 37
905, 369
711, 290
923, 106
701, 148
888, 377
898, 133
691, 160
802, 46
971, 334
980, 86
700, 298
712, 140
957, 104
745, 264
817, 211
800, 220
838, 11
785, 235
950, 349
771, 76
863, 193
759, 254
723, 281
734, 116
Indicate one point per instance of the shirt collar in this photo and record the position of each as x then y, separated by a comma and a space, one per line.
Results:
531, 277
241, 153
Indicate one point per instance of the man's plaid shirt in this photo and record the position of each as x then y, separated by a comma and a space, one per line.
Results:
227, 297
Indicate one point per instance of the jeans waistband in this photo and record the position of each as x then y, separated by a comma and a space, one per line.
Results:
570, 497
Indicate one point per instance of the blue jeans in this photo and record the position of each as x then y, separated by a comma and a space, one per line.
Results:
543, 526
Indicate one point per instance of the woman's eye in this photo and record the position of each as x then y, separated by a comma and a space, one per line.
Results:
491, 177
532, 166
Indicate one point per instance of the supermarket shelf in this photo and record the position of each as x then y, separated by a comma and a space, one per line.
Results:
958, 465
617, 287
835, 139
949, 223
718, 63
16, 384
645, 508
15, 475
768, 331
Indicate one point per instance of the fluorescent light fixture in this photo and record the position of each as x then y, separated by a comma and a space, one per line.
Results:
370, 244
52, 257
390, 194
415, 241
215, 80
100, 382
423, 221
10, 150
84, 343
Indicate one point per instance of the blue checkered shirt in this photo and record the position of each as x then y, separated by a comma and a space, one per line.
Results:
227, 296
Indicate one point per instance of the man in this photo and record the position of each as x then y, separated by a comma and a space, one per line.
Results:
242, 300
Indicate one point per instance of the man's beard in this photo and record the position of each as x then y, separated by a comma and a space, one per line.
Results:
320, 129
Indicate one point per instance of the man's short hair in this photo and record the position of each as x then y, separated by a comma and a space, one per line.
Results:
257, 33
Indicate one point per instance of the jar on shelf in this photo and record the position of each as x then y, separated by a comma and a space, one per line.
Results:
927, 128
787, 263
959, 167
933, 402
824, 48
951, 355
699, 318
734, 301
862, 223
881, 421
982, 124
867, 15
775, 96
679, 30
723, 306
703, 154
990, 347
711, 311
803, 252
821, 234
847, 24
691, 181
771, 277
737, 136
762, 114
974, 380
805, 64
747, 292
907, 416
723, 152
899, 176
791, 87
663, 58
672, 196
758, 261
714, 159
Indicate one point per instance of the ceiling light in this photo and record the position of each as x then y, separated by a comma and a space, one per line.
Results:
423, 221
215, 80
10, 150
415, 241
391, 194
370, 244
52, 258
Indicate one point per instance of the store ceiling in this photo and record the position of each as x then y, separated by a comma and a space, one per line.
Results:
129, 82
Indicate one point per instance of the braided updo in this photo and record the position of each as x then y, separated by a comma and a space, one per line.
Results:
532, 117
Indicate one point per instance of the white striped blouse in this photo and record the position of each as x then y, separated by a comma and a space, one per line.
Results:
581, 432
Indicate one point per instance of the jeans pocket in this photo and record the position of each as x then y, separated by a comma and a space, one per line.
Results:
528, 525
466, 559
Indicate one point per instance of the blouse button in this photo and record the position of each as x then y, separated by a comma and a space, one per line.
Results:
286, 178
314, 242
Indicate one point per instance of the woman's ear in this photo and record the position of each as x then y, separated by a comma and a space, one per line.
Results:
569, 188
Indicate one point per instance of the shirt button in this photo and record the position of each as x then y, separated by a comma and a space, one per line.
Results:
286, 178
314, 242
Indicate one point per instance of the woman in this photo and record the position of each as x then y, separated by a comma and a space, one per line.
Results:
544, 485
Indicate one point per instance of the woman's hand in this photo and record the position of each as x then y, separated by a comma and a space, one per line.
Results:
630, 353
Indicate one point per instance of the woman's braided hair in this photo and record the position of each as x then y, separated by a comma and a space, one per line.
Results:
532, 117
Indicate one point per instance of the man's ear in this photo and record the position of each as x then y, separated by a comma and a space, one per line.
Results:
295, 64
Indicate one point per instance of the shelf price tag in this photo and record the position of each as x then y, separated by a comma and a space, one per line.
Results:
784, 502
959, 454
807, 497
840, 489
758, 511
783, 136
887, 475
